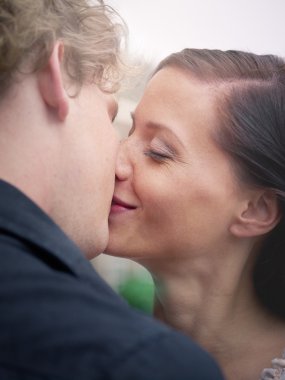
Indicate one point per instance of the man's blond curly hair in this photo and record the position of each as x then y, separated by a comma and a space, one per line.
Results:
92, 34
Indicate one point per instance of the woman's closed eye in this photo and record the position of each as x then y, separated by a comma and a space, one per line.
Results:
158, 155
160, 150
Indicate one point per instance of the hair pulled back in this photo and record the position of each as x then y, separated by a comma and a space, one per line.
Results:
251, 127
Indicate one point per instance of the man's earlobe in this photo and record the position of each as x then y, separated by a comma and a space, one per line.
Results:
259, 216
51, 83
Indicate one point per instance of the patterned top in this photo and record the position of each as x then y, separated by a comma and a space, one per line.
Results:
277, 372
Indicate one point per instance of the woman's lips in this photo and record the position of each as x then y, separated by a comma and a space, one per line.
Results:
119, 206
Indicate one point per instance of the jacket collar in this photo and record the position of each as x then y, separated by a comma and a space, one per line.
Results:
21, 217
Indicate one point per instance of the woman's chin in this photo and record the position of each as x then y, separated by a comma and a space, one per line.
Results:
114, 250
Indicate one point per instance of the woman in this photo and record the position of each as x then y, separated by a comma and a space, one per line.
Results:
199, 201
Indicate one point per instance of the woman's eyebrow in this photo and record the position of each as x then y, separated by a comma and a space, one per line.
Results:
160, 126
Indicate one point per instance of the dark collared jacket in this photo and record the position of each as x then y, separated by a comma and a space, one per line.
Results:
60, 321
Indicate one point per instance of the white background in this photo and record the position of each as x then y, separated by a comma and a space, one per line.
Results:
160, 27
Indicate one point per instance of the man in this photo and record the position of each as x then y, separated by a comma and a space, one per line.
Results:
59, 62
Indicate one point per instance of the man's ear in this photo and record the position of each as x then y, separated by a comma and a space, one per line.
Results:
51, 83
259, 215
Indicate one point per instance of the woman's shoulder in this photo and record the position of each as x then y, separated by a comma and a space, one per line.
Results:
277, 371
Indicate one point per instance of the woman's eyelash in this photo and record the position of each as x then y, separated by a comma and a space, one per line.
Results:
158, 156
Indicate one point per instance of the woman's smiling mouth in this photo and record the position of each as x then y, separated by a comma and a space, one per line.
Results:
119, 206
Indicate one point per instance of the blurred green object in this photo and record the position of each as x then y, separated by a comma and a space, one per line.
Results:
138, 291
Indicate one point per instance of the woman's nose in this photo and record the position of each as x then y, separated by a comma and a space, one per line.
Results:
123, 163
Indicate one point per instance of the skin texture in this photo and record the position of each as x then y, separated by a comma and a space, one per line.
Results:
173, 173
63, 156
86, 187
180, 209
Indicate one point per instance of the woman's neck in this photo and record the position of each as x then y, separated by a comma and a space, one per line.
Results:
216, 306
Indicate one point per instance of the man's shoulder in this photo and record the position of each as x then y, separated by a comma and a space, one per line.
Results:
68, 324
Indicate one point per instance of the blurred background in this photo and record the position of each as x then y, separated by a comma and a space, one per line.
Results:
158, 28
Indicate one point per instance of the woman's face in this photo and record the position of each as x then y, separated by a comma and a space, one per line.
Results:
176, 193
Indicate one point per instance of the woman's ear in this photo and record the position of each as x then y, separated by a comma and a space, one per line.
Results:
51, 83
259, 215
